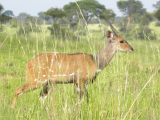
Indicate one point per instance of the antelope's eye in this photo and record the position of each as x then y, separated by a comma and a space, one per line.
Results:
121, 41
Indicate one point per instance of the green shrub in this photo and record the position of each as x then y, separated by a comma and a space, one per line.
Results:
59, 32
73, 24
14, 22
157, 23
146, 33
26, 28
30, 24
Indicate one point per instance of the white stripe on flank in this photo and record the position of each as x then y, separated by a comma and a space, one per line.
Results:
45, 81
71, 74
65, 75
59, 75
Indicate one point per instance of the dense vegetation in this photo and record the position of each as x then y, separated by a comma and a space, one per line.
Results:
110, 96
128, 88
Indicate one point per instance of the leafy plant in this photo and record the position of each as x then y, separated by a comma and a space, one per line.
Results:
146, 33
157, 23
55, 13
58, 32
14, 22
30, 24
89, 9
157, 15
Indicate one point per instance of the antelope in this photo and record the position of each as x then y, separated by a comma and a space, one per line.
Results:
49, 69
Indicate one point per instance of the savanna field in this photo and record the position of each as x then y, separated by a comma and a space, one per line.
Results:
128, 88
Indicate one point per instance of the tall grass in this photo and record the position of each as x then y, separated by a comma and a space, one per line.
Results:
115, 94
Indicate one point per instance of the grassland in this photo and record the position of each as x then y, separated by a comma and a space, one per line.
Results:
119, 91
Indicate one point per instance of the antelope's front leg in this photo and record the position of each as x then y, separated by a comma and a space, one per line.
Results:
86, 91
45, 91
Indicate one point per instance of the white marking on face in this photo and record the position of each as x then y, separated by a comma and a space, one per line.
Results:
130, 51
121, 50
43, 64
112, 35
35, 80
43, 68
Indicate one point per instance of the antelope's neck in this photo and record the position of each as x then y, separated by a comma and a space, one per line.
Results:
104, 56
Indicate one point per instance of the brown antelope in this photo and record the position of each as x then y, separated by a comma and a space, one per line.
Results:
48, 69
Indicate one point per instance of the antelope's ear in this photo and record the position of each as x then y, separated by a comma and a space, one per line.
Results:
110, 35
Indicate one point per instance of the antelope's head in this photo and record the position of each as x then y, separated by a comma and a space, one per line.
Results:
117, 39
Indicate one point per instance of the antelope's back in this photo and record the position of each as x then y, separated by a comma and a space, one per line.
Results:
55, 66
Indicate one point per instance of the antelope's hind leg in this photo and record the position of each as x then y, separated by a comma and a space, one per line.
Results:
25, 88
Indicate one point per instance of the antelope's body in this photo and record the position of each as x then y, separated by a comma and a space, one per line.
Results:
48, 69
61, 68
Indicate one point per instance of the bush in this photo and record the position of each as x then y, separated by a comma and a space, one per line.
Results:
73, 24
142, 32
157, 23
94, 21
14, 22
59, 32
26, 28
30, 24
122, 27
23, 29
146, 33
